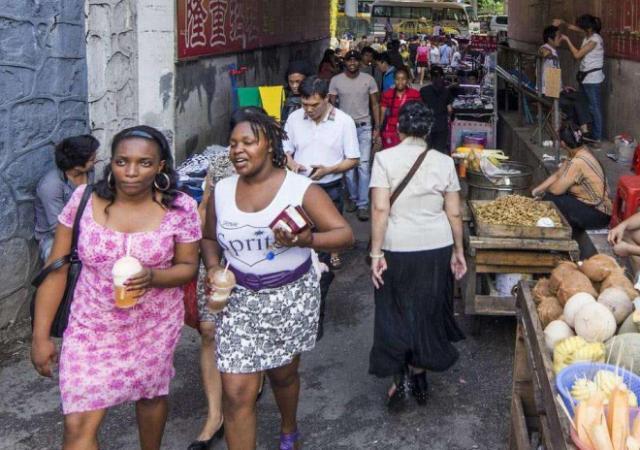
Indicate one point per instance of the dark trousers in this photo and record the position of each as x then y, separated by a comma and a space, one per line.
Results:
440, 141
575, 106
579, 215
335, 191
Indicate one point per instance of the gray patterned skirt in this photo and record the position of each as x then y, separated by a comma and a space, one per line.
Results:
262, 330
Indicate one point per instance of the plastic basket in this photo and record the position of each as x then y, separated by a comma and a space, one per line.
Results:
569, 375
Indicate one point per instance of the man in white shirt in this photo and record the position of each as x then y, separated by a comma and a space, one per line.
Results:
322, 140
322, 143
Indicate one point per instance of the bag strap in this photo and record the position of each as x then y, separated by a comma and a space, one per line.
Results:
73, 253
403, 184
602, 177
76, 221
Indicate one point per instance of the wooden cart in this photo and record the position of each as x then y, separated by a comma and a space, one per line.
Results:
535, 412
531, 250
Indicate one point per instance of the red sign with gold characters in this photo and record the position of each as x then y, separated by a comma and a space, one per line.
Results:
215, 27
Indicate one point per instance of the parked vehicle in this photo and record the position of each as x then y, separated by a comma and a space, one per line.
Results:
499, 25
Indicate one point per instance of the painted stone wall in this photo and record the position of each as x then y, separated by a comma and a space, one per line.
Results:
43, 93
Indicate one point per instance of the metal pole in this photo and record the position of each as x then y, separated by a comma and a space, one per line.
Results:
556, 127
520, 97
539, 92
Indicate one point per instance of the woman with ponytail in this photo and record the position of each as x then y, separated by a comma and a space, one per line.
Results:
579, 186
272, 314
114, 352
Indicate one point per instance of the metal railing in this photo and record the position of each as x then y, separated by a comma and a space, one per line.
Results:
522, 71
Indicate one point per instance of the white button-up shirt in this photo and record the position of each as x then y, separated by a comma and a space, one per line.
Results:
326, 143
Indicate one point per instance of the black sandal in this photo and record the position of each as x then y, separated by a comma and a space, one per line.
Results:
420, 388
396, 400
206, 445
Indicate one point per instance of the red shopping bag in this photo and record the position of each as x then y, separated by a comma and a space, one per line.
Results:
191, 318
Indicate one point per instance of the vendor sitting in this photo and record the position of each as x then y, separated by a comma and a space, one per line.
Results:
579, 187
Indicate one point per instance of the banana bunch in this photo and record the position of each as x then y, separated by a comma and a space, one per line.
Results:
474, 155
576, 349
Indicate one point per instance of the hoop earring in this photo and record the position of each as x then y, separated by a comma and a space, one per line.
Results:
110, 182
163, 188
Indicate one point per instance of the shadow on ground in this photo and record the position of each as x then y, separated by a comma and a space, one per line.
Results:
341, 405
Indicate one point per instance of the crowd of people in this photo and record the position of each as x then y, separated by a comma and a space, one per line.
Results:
319, 158
355, 137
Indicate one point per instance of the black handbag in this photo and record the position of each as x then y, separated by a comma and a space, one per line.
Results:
61, 318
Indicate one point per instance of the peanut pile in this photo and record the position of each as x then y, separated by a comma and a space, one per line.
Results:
516, 210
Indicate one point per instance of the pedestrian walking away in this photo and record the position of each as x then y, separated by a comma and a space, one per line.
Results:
272, 314
119, 343
416, 250
357, 93
439, 99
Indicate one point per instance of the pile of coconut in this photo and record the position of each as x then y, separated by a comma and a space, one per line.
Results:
588, 299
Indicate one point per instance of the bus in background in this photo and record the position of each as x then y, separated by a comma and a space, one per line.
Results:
417, 18
356, 26
364, 8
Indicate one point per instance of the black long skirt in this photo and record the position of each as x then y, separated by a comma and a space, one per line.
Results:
414, 322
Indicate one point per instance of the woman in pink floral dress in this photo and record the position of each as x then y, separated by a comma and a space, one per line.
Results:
111, 355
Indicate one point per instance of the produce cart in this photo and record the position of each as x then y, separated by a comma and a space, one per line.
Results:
536, 416
502, 249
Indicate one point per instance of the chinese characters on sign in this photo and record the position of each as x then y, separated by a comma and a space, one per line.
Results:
213, 27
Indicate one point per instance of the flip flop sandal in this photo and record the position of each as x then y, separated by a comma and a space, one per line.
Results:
289, 441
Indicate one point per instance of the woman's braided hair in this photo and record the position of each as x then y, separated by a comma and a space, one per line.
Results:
260, 121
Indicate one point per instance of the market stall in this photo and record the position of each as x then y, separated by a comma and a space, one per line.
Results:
504, 242
575, 383
475, 111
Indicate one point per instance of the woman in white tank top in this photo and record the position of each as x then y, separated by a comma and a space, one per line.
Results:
272, 315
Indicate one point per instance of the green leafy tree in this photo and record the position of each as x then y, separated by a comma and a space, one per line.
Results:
491, 6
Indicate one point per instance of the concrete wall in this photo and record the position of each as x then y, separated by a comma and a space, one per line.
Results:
112, 68
130, 54
203, 90
43, 94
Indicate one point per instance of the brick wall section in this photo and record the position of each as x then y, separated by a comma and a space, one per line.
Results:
43, 93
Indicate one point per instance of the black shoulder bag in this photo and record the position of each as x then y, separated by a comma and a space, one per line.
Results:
75, 266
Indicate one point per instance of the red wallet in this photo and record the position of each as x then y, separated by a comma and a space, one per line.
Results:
293, 219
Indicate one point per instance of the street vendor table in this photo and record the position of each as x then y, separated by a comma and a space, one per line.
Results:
534, 408
493, 255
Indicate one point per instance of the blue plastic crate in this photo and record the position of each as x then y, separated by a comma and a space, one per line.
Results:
569, 375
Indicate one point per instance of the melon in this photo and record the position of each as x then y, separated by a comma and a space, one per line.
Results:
595, 323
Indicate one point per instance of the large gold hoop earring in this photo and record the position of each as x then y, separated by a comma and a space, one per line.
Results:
167, 185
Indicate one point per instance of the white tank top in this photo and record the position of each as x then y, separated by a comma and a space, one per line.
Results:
246, 238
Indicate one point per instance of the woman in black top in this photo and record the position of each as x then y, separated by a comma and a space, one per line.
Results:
295, 75
438, 98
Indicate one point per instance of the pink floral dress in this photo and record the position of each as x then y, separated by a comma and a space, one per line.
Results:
111, 355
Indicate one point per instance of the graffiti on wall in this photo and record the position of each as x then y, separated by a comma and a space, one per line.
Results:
214, 27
